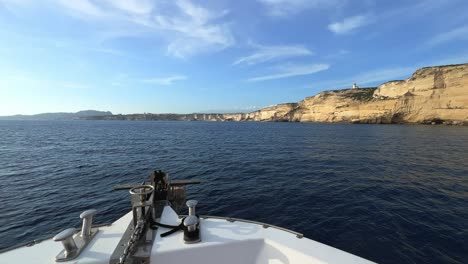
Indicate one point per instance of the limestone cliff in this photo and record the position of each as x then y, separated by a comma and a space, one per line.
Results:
432, 95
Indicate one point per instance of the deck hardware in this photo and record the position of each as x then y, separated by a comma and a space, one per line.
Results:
32, 243
148, 201
87, 217
141, 192
70, 250
191, 204
137, 240
191, 224
75, 243
140, 203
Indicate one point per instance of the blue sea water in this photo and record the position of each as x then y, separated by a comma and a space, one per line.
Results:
389, 193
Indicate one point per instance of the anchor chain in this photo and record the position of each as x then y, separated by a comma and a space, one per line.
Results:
136, 235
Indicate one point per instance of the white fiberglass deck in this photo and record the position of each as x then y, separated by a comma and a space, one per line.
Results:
222, 242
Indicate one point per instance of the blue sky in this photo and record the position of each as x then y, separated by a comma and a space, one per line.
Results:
184, 56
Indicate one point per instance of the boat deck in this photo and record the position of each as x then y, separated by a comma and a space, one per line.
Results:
223, 241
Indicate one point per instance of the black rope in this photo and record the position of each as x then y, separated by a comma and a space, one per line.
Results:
155, 225
180, 227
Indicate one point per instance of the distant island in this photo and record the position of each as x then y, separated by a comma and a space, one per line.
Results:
432, 95
58, 116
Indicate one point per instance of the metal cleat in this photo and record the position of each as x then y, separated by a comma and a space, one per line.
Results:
87, 217
75, 244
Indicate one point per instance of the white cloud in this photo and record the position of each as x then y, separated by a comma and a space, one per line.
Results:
383, 75
270, 53
194, 31
388, 74
459, 58
18, 80
339, 54
188, 28
349, 24
379, 75
290, 71
83, 7
165, 81
460, 33
132, 6
283, 8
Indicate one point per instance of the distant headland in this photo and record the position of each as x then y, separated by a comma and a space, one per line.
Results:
432, 95
58, 116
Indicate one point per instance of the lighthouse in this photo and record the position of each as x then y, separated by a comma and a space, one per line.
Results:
355, 86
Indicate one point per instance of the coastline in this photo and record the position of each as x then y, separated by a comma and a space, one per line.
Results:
432, 95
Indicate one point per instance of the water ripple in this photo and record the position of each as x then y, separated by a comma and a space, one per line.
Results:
393, 194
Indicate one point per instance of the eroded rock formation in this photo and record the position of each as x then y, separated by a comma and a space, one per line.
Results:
432, 95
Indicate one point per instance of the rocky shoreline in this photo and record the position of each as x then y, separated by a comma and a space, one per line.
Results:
432, 95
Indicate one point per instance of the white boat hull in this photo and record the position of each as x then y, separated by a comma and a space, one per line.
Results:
222, 241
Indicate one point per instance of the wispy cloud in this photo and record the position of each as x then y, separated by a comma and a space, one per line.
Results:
283, 8
195, 30
348, 24
291, 70
165, 81
416, 9
364, 78
386, 74
83, 7
460, 33
382, 75
133, 6
270, 53
12, 79
188, 27
454, 59
337, 55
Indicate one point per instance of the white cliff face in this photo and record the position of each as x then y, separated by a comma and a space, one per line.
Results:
432, 94
279, 112
392, 89
340, 106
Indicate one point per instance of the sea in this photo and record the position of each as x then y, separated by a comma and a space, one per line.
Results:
388, 193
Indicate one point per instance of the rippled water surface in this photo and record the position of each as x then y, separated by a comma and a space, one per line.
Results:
389, 193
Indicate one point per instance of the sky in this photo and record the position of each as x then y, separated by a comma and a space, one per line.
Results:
185, 56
